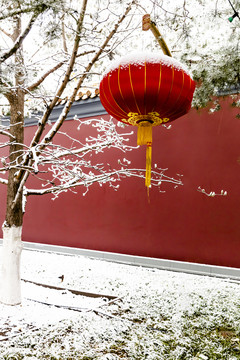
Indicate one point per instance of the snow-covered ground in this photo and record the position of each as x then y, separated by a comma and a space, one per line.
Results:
147, 314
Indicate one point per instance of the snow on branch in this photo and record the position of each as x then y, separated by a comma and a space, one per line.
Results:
75, 178
3, 181
60, 169
44, 76
20, 39
105, 136
5, 133
56, 127
212, 193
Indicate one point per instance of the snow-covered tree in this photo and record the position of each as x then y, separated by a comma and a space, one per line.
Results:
53, 45
50, 49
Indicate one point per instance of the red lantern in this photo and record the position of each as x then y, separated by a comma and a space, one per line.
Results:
146, 90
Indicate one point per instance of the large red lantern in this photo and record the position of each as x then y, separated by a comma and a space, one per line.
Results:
146, 90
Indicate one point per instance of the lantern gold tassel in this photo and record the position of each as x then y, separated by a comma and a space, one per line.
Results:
144, 137
144, 134
148, 164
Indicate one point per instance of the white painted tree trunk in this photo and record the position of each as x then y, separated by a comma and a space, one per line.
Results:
10, 290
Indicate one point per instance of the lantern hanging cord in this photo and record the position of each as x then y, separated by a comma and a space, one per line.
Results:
236, 14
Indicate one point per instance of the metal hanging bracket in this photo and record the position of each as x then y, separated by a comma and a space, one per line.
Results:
147, 24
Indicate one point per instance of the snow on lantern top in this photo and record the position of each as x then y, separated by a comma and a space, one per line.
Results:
139, 58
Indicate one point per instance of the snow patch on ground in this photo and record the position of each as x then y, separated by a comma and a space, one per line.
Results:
160, 314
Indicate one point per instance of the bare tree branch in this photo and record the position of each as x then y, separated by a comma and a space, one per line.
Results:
6, 133
7, 90
73, 175
62, 87
20, 39
15, 12
5, 33
44, 76
64, 36
111, 177
3, 181
56, 67
47, 139
38, 7
68, 105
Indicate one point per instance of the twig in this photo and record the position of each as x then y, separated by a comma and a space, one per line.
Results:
212, 193
76, 308
44, 76
9, 337
3, 181
73, 291
19, 41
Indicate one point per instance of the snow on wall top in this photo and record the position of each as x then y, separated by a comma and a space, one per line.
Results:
140, 57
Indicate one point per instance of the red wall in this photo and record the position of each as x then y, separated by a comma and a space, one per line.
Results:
180, 224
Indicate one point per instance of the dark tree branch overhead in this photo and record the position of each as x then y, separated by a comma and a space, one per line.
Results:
52, 70
16, 12
65, 81
44, 76
5, 32
37, 7
235, 11
20, 39
64, 35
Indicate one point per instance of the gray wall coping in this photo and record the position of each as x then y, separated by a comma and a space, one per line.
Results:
163, 264
82, 109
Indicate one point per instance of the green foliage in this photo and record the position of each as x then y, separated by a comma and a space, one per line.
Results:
200, 35
219, 78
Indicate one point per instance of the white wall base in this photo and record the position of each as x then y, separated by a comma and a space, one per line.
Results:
172, 265
10, 277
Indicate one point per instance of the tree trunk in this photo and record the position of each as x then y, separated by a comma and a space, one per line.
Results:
11, 255
12, 227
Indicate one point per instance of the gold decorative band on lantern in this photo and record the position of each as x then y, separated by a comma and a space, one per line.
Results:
152, 118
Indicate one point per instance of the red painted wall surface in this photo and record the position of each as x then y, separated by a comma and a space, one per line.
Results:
179, 224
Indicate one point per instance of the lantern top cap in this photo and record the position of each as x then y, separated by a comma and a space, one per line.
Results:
140, 57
